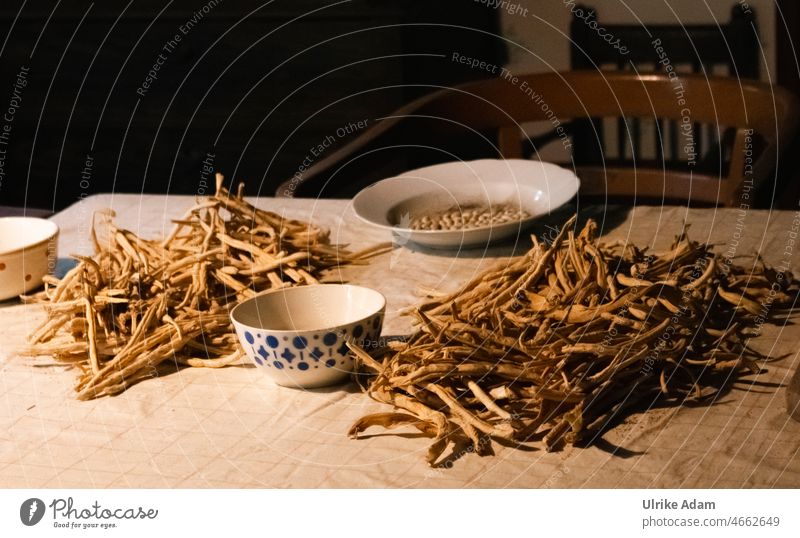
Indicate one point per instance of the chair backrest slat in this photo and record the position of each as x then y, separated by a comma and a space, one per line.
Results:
733, 44
458, 115
705, 48
588, 95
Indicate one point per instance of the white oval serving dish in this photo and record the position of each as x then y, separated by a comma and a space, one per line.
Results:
534, 186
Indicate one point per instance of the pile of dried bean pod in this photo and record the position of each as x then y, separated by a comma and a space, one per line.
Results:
137, 303
560, 344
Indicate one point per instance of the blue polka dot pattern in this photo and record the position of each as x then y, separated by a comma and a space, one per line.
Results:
329, 339
302, 353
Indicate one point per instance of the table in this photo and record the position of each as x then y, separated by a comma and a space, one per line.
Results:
232, 428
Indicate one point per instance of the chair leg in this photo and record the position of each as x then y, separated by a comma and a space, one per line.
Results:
510, 142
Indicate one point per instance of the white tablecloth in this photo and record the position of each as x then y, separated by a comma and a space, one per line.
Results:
233, 428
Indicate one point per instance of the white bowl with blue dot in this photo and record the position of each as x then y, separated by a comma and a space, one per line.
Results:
298, 336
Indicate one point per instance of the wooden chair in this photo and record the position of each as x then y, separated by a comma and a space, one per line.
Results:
729, 48
702, 48
483, 119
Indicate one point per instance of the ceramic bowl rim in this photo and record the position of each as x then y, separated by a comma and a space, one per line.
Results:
517, 223
54, 232
382, 308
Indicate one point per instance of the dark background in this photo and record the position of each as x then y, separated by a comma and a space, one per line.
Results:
251, 89
255, 84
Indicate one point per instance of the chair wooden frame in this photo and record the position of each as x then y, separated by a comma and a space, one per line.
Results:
764, 117
700, 47
733, 43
